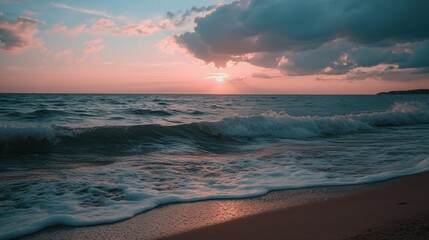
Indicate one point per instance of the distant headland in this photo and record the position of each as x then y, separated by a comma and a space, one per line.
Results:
415, 91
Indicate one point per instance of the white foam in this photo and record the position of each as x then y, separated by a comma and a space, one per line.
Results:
134, 197
133, 184
281, 124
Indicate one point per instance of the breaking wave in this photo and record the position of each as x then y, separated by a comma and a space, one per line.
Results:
38, 138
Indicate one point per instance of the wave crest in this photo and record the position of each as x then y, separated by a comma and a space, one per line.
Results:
274, 124
148, 112
269, 124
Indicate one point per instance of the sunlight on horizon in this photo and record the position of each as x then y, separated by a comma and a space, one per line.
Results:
218, 77
126, 47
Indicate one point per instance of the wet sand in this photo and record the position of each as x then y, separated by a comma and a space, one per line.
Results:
399, 207
392, 210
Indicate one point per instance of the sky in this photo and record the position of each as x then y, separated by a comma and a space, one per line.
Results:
214, 46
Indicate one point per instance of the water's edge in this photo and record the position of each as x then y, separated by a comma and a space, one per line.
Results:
274, 199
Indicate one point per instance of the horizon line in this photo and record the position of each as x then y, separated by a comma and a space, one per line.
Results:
129, 93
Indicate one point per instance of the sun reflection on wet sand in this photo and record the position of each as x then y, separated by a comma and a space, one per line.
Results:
175, 218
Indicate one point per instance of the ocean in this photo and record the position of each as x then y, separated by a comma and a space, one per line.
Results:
90, 159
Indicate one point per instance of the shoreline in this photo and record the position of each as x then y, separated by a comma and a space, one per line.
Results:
198, 220
170, 219
389, 207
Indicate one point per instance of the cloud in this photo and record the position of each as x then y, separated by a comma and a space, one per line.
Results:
108, 27
19, 34
63, 54
181, 18
82, 10
29, 13
146, 27
63, 29
81, 55
262, 75
386, 72
169, 46
93, 46
219, 77
239, 80
104, 23
330, 37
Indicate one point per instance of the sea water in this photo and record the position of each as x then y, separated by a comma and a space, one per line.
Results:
91, 159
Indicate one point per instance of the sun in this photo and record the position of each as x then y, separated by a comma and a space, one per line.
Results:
218, 77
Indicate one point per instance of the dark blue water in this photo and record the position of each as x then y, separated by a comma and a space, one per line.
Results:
89, 159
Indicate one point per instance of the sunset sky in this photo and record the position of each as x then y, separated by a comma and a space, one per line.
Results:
212, 46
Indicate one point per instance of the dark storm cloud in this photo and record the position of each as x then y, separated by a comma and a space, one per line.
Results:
309, 37
18, 34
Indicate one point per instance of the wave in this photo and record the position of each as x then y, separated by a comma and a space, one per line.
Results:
19, 138
13, 114
162, 113
148, 112
190, 112
282, 125
40, 113
122, 202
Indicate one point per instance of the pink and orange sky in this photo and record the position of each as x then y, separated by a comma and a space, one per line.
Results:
213, 47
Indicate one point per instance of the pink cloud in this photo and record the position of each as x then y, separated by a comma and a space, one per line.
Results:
63, 29
29, 13
169, 45
79, 55
166, 24
93, 46
64, 54
19, 34
146, 27
106, 26
103, 26
104, 22
78, 29
57, 28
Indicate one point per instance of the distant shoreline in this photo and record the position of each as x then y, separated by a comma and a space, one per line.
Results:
415, 91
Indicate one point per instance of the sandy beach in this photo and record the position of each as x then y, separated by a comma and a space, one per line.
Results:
386, 210
395, 209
